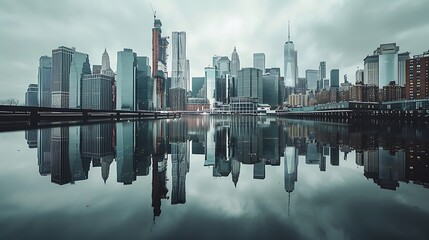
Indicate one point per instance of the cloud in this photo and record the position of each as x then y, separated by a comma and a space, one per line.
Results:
340, 32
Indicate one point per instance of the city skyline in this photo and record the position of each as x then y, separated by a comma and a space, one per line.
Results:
359, 27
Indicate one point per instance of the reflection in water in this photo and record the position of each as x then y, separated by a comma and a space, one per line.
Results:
389, 154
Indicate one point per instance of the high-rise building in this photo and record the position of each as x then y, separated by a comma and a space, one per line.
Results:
335, 78
270, 86
222, 65
31, 95
290, 63
105, 65
179, 84
97, 92
360, 75
159, 65
322, 70
210, 80
402, 66
188, 76
197, 85
312, 77
126, 80
371, 70
259, 61
387, 64
45, 81
96, 69
417, 80
178, 74
249, 83
61, 62
144, 84
78, 68
235, 63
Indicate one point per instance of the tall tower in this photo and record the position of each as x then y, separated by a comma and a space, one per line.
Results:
105, 65
61, 62
126, 80
290, 63
235, 63
159, 63
45, 81
79, 67
178, 74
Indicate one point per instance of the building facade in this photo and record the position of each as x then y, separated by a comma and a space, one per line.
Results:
79, 67
31, 95
312, 77
270, 86
97, 92
249, 83
61, 62
126, 80
44, 80
259, 61
335, 78
235, 63
417, 77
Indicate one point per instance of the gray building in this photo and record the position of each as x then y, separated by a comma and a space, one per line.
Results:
235, 63
402, 59
210, 80
96, 69
31, 95
290, 63
61, 62
105, 65
335, 78
270, 86
249, 83
370, 64
312, 76
178, 65
97, 92
78, 68
144, 84
259, 61
126, 80
45, 81
197, 85
222, 65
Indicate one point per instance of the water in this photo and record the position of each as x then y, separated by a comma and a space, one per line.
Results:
216, 178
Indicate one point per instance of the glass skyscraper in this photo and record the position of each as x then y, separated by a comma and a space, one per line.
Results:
387, 64
126, 80
31, 95
290, 63
312, 76
61, 62
259, 61
335, 78
144, 84
210, 79
78, 68
249, 83
45, 81
178, 74
97, 92
270, 89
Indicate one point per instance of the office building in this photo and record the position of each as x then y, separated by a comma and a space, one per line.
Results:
178, 74
371, 70
97, 92
290, 63
417, 77
45, 81
78, 68
96, 69
197, 85
312, 77
360, 76
31, 95
61, 62
235, 63
387, 64
270, 86
222, 65
335, 78
210, 80
322, 74
249, 83
105, 65
126, 80
144, 84
259, 61
159, 65
402, 65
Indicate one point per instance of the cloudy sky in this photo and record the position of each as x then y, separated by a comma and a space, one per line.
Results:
340, 32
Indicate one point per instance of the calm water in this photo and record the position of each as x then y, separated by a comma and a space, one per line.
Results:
216, 178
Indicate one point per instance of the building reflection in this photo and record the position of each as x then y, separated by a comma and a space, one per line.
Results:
388, 156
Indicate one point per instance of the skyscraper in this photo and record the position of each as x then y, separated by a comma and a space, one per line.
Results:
126, 80
335, 78
210, 79
402, 59
387, 63
144, 84
360, 75
97, 92
249, 83
105, 65
78, 68
259, 61
290, 62
179, 76
61, 62
45, 81
417, 81
31, 95
270, 89
197, 85
312, 77
159, 64
235, 63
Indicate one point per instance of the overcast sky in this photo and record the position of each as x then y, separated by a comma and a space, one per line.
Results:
340, 32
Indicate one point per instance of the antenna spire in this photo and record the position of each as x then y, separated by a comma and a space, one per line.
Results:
288, 31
